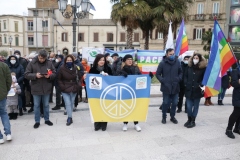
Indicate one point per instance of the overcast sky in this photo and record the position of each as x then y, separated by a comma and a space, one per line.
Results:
103, 7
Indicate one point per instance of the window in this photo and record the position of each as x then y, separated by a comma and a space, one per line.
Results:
109, 37
216, 8
159, 35
122, 37
136, 37
30, 25
45, 23
16, 26
64, 37
95, 37
45, 40
35, 13
30, 40
197, 33
16, 41
199, 8
4, 25
80, 37
5, 39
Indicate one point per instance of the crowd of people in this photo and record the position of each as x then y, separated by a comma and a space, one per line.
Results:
31, 81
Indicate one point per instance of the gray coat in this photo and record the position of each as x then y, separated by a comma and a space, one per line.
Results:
13, 100
169, 74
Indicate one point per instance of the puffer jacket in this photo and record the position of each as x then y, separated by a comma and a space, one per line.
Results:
67, 79
18, 69
193, 78
13, 100
5, 80
40, 86
169, 74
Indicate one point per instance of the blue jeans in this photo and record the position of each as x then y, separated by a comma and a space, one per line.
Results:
192, 106
69, 99
5, 118
45, 101
222, 94
167, 100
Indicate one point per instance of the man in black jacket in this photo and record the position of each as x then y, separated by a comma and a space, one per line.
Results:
184, 65
169, 73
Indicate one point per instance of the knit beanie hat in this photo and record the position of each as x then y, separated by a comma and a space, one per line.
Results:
127, 56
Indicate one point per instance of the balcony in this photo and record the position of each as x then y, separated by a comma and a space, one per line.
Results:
213, 15
199, 17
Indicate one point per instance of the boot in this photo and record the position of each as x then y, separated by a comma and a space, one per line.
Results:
20, 112
192, 123
206, 103
188, 121
10, 115
210, 102
69, 121
221, 103
15, 115
230, 134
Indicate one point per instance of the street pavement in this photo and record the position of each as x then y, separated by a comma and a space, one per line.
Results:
206, 141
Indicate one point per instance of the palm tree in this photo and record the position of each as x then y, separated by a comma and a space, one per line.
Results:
128, 13
206, 40
170, 10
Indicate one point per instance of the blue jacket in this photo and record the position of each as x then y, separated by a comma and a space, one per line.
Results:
169, 74
17, 68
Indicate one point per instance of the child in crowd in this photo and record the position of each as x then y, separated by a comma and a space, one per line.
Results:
12, 98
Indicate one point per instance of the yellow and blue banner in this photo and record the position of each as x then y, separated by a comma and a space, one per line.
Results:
118, 99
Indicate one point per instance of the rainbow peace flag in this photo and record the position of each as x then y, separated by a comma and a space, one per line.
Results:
220, 60
182, 41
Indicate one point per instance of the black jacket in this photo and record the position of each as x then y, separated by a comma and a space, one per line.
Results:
106, 69
17, 68
58, 66
236, 88
169, 73
23, 62
225, 81
193, 79
131, 70
184, 68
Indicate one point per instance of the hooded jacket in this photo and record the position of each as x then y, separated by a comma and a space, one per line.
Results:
17, 68
169, 74
40, 86
193, 78
5, 80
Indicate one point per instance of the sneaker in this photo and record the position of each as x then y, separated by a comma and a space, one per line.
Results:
1, 141
164, 121
230, 134
179, 110
125, 127
174, 120
137, 128
36, 125
69, 121
74, 109
49, 123
9, 137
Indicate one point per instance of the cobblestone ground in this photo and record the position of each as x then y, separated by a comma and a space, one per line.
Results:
207, 141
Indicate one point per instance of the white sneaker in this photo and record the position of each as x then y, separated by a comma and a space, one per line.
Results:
125, 127
1, 141
137, 128
9, 137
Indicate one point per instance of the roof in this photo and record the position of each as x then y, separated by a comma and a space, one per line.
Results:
88, 22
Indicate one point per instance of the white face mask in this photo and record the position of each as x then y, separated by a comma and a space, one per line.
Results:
30, 60
13, 61
195, 61
185, 62
56, 60
17, 56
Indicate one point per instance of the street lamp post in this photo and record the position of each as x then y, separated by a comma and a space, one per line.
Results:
10, 41
75, 4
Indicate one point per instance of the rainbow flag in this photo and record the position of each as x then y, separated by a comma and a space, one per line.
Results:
220, 60
182, 41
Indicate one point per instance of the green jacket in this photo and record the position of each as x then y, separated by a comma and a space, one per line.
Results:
5, 80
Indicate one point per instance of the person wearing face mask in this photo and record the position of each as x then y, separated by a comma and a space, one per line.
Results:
193, 82
17, 68
184, 65
108, 59
69, 81
169, 74
99, 66
42, 73
52, 59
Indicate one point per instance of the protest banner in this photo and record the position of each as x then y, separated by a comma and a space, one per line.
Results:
118, 99
90, 53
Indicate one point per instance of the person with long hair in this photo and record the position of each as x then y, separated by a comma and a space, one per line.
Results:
193, 82
100, 66
69, 80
